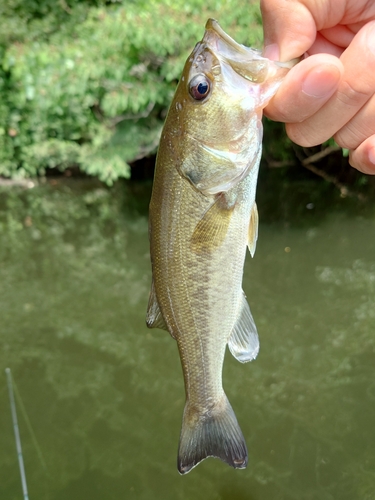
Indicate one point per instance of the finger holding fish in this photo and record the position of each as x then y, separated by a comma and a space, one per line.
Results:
306, 89
317, 29
355, 89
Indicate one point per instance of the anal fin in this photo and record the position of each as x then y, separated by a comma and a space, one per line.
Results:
243, 342
253, 230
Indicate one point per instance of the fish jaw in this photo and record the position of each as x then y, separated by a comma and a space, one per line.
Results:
247, 62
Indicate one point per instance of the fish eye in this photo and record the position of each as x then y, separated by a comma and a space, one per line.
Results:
199, 87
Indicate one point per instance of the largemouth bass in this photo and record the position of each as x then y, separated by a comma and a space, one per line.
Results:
202, 217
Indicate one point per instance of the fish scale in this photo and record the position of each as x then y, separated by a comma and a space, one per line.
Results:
202, 218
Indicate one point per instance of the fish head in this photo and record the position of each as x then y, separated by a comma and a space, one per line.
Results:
225, 83
217, 109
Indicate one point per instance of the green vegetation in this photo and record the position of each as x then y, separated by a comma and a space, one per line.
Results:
88, 82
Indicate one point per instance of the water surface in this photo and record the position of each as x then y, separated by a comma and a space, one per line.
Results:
100, 397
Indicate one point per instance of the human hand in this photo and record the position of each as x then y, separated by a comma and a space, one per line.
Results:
331, 93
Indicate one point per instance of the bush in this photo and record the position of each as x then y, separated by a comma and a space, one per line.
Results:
88, 83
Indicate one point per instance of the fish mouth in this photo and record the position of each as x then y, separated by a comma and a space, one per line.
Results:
247, 62
213, 25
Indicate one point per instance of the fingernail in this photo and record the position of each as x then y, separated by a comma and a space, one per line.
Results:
322, 81
272, 52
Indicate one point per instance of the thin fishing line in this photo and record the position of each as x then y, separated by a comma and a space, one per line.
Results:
29, 426
17, 433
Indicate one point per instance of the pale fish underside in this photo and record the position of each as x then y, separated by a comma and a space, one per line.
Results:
202, 217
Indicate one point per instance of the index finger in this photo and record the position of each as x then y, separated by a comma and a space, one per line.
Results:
289, 29
305, 89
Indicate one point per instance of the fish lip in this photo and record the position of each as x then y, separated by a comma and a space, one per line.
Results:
213, 25
248, 52
247, 62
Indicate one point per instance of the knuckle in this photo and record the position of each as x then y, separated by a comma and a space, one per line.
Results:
350, 95
302, 135
357, 130
346, 140
339, 141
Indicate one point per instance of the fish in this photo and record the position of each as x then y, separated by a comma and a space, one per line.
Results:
202, 217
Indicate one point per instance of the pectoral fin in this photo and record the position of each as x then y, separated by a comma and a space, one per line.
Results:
154, 317
244, 342
211, 230
253, 230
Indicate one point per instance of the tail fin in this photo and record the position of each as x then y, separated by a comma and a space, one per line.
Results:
213, 434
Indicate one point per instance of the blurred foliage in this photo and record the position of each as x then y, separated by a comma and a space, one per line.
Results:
292, 168
88, 82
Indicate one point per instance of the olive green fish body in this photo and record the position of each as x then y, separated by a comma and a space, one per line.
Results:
202, 218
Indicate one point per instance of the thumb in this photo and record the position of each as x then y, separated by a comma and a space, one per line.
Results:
289, 29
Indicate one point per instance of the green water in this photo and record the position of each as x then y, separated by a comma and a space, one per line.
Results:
104, 395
